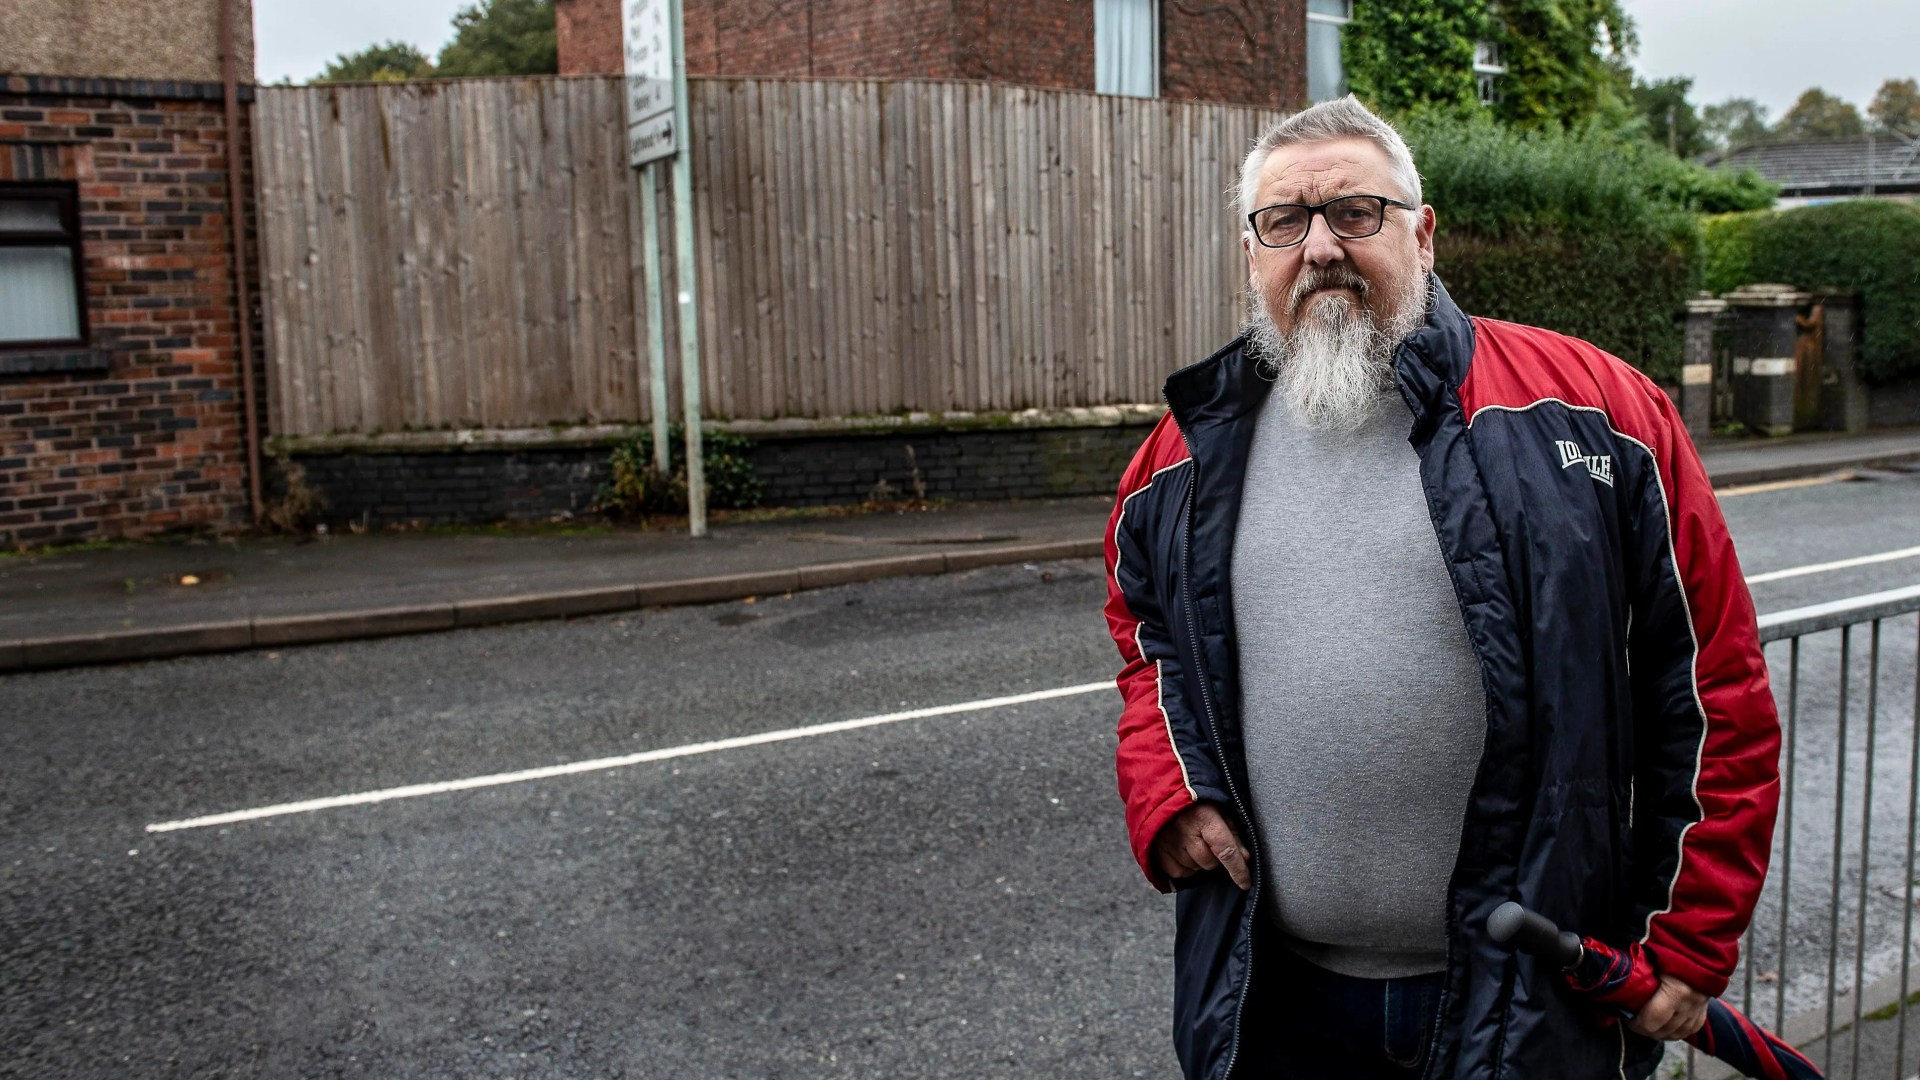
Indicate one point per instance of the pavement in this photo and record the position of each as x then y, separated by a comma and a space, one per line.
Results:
181, 596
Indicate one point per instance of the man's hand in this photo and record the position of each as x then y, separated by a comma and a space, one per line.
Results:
1199, 839
1675, 1011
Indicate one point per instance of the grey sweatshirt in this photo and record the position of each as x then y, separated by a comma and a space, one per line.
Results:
1362, 703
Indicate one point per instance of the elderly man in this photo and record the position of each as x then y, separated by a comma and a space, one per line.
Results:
1421, 613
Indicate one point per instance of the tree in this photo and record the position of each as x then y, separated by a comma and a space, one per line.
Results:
1671, 119
1565, 60
390, 61
1734, 122
1820, 115
1400, 56
503, 37
1896, 107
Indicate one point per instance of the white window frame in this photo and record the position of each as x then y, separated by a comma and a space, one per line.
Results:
1331, 20
1487, 70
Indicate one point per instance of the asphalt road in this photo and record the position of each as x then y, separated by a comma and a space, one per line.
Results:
938, 897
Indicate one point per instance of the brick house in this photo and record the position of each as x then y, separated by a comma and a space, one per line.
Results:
121, 333
1279, 53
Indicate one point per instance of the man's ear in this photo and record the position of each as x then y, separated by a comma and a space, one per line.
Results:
1246, 246
1423, 237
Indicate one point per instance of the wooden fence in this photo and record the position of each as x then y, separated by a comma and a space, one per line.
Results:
465, 254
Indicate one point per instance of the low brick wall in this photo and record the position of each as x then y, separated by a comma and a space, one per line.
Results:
450, 487
455, 486
975, 465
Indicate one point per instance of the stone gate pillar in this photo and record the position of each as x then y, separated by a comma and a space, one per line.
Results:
1763, 339
1696, 366
1843, 393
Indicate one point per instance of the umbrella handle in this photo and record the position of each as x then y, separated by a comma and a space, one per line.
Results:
1533, 933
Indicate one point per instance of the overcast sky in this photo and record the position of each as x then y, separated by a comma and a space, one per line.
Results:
1765, 49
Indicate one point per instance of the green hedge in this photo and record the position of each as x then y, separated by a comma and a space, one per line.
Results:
1727, 257
1867, 247
1591, 232
1623, 294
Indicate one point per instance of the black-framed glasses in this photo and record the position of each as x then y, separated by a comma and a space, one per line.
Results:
1351, 217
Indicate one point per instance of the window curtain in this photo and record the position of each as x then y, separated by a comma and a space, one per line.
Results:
37, 302
1126, 47
1326, 75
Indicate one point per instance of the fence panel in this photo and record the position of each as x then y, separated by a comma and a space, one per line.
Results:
464, 254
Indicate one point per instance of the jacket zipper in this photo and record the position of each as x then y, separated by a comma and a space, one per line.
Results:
1440, 1000
1213, 728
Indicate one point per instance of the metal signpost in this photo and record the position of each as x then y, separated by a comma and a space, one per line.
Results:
656, 128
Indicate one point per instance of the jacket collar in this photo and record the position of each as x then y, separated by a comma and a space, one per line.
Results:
1433, 359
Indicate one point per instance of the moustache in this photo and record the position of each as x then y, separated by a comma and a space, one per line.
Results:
1335, 276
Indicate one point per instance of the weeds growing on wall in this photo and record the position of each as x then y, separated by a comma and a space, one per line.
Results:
635, 489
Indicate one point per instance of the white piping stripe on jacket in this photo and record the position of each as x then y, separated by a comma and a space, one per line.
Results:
1120, 518
1159, 684
1686, 610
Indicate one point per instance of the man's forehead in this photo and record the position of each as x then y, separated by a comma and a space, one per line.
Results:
1341, 162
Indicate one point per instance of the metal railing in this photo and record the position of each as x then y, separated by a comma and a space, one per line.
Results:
1832, 941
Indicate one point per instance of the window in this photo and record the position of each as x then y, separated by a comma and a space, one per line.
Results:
40, 268
1487, 70
1126, 47
1326, 75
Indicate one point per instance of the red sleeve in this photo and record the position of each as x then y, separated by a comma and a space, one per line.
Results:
1153, 777
1723, 855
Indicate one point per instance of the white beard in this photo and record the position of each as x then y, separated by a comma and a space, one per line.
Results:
1333, 370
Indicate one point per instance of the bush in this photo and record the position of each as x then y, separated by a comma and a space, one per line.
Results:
1589, 232
1623, 294
1726, 260
1867, 247
636, 489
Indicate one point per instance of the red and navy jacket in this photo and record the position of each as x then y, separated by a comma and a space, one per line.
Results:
1629, 778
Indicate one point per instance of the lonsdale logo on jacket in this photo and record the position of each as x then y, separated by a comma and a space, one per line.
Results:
1599, 466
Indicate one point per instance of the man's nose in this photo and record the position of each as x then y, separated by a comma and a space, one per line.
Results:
1321, 246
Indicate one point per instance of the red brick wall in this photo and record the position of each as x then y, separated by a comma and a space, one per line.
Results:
156, 441
1246, 51
589, 34
749, 37
895, 39
1251, 52
839, 38
1037, 42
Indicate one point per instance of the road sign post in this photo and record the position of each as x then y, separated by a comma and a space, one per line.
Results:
689, 309
656, 129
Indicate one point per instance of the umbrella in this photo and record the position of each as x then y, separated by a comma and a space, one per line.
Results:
1625, 980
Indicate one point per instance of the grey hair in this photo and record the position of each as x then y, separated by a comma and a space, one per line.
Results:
1344, 118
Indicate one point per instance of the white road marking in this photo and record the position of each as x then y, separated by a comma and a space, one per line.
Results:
415, 791
1843, 564
1784, 485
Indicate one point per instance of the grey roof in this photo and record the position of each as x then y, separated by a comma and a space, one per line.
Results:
1828, 166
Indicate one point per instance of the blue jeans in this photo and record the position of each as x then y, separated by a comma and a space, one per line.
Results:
1327, 1026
